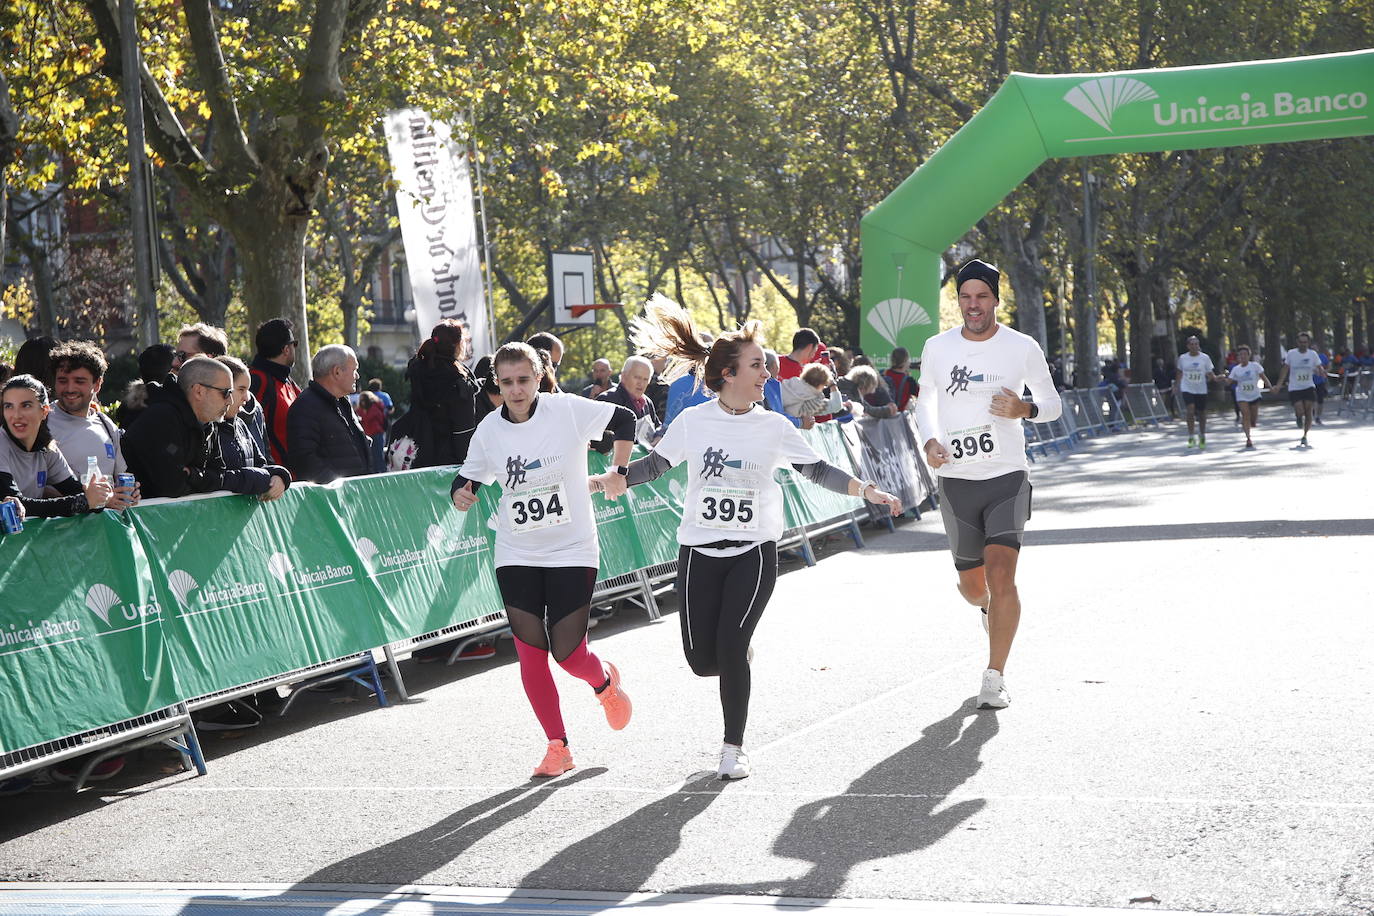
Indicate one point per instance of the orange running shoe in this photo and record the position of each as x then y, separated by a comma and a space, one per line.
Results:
614, 701
557, 760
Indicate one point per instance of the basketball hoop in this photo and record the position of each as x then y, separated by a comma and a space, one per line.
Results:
577, 311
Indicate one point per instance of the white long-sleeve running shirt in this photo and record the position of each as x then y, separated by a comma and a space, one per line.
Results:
958, 380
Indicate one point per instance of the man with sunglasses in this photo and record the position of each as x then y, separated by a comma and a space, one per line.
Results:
199, 339
170, 448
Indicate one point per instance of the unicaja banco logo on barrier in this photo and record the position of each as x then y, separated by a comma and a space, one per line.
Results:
103, 601
1101, 99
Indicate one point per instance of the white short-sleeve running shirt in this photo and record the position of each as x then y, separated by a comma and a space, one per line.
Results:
546, 511
1247, 378
959, 378
1194, 369
731, 493
1301, 368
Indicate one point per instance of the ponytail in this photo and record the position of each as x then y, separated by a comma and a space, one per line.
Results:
665, 329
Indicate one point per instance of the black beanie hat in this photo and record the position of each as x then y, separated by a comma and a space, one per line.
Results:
979, 270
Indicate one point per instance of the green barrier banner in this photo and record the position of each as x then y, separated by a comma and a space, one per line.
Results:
657, 508
81, 642
615, 529
253, 589
431, 565
1032, 118
804, 503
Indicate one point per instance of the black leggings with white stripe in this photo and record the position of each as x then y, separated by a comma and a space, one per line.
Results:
722, 601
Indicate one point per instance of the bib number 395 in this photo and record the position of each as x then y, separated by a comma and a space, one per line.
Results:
977, 443
537, 508
728, 508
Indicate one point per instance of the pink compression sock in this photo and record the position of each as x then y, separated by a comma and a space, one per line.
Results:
539, 687
583, 664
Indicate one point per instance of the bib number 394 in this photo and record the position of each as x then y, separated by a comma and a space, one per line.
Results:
977, 443
728, 508
537, 508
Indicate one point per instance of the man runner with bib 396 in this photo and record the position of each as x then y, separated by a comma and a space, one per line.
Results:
969, 413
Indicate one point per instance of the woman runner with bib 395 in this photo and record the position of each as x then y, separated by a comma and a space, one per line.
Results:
546, 545
733, 512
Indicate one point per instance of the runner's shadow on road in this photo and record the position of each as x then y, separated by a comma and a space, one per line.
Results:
625, 855
408, 859
897, 807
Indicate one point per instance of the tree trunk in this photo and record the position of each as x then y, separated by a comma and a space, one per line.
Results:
1028, 277
272, 256
1273, 348
1141, 311
9, 150
1084, 324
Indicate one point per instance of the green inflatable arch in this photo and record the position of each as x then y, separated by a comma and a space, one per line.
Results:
1035, 118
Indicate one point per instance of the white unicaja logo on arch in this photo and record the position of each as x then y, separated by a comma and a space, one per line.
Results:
1100, 99
893, 316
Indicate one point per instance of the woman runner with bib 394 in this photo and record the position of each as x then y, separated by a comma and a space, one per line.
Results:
546, 545
733, 511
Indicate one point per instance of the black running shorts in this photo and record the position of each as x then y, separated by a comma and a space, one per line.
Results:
549, 592
1302, 394
1198, 401
982, 512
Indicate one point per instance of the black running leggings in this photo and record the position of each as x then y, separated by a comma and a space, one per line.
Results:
722, 601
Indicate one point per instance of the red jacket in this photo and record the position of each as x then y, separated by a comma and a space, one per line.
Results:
903, 386
272, 385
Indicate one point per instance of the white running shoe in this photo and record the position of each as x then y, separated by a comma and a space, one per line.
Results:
994, 693
734, 763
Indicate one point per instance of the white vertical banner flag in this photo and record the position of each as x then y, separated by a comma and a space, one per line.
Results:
438, 228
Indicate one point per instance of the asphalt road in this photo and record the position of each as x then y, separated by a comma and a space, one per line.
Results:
1189, 723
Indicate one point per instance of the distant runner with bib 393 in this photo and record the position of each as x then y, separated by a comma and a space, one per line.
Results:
969, 413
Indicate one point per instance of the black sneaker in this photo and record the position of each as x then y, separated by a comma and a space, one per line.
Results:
228, 717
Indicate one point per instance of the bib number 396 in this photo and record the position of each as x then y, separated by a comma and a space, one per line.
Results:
977, 443
728, 508
537, 508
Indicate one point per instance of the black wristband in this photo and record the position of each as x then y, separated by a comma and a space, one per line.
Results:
1035, 411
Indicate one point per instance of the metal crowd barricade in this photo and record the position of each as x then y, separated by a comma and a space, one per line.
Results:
360, 667
1113, 417
1145, 405
1087, 411
170, 726
1357, 394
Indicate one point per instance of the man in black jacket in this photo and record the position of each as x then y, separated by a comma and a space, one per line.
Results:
632, 392
326, 439
170, 448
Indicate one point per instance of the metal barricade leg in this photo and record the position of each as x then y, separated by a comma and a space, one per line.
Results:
395, 670
647, 593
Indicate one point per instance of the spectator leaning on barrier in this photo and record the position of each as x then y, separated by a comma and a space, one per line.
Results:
30, 460
199, 339
271, 383
245, 463
872, 395
601, 379
172, 449
631, 392
810, 393
327, 442
83, 432
899, 381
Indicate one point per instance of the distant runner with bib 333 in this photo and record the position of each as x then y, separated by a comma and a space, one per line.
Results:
969, 413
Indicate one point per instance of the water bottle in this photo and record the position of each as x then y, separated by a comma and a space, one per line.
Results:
92, 471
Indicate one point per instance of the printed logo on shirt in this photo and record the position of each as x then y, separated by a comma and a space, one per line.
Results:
960, 376
714, 461
517, 468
